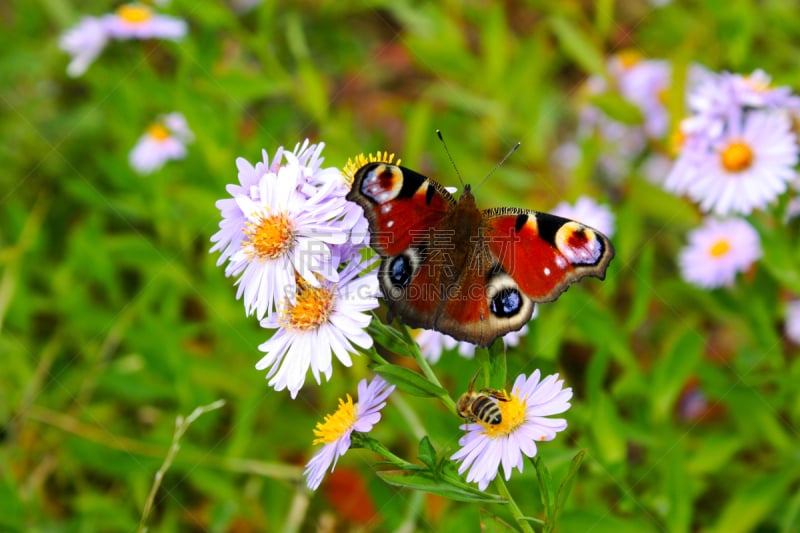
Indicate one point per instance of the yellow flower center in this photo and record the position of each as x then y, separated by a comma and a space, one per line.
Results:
759, 86
311, 310
158, 132
337, 424
737, 156
676, 141
513, 414
134, 13
629, 58
355, 163
270, 237
720, 248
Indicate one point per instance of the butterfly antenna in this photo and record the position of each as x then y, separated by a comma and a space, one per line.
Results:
452, 162
513, 149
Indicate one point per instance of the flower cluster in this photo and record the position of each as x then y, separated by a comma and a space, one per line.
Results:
643, 83
294, 243
165, 140
737, 150
86, 40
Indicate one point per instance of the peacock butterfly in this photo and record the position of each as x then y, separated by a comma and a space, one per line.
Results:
474, 275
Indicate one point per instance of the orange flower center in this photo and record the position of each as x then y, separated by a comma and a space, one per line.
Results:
134, 13
720, 248
676, 141
158, 132
311, 310
270, 237
629, 58
737, 156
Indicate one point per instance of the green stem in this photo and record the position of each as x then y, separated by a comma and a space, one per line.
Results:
522, 520
369, 443
425, 366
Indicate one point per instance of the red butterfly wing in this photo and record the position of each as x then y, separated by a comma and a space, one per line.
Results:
544, 253
400, 204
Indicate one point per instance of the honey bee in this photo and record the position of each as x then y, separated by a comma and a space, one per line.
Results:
481, 406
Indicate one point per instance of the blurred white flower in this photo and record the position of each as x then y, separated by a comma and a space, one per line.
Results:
137, 21
717, 251
83, 42
165, 140
587, 211
792, 324
746, 168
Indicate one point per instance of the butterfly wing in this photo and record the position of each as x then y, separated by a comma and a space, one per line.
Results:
470, 274
400, 204
407, 213
544, 254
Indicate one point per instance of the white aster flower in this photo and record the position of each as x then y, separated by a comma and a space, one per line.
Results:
748, 167
792, 324
137, 21
717, 251
335, 431
83, 42
321, 321
284, 232
485, 447
231, 233
165, 140
587, 211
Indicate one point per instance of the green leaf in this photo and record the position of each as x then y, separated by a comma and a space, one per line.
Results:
643, 288
388, 337
673, 369
566, 485
578, 46
607, 430
497, 365
409, 381
617, 108
754, 502
427, 453
450, 485
546, 488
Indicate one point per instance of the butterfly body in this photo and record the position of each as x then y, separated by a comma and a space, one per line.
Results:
474, 275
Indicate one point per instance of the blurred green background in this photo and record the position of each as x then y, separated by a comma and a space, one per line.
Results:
114, 318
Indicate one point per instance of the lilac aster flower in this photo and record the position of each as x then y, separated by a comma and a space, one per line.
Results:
231, 234
747, 168
717, 251
589, 212
643, 82
137, 21
284, 233
165, 140
83, 42
713, 97
524, 423
321, 321
334, 432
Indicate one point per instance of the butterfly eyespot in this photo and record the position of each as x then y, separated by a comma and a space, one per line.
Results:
400, 270
506, 303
